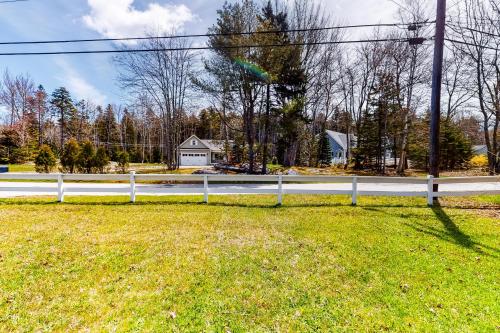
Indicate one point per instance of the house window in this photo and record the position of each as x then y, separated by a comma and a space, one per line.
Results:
193, 142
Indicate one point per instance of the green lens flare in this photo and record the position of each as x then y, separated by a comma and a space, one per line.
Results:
252, 68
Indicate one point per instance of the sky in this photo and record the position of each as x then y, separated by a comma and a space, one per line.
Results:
93, 76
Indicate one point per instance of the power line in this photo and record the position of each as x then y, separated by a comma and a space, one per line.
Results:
487, 33
472, 44
217, 34
8, 1
200, 48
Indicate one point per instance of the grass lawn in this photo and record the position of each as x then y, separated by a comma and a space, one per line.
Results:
21, 167
241, 264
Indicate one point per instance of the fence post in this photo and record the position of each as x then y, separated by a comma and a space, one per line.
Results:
430, 190
205, 188
280, 190
354, 190
132, 186
60, 188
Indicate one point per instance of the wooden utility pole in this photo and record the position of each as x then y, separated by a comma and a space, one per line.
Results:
437, 78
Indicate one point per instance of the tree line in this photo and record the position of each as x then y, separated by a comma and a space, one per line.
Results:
272, 96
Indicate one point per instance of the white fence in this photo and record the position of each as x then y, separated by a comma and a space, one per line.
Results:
131, 185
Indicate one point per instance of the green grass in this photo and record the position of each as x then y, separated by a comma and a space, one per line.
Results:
21, 168
241, 264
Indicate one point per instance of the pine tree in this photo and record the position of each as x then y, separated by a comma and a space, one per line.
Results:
45, 161
40, 110
86, 157
69, 157
63, 108
123, 160
107, 129
101, 160
324, 150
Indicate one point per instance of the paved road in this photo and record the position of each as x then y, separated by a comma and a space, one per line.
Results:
89, 189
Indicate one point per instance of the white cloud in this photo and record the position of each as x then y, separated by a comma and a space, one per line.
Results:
119, 18
77, 85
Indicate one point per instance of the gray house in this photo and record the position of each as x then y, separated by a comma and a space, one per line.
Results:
338, 145
480, 150
197, 152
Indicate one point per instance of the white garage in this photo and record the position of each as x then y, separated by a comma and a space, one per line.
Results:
193, 159
197, 152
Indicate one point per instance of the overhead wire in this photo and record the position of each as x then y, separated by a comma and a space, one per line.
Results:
200, 48
486, 47
124, 39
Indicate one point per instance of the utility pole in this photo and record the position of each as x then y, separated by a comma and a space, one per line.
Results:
437, 78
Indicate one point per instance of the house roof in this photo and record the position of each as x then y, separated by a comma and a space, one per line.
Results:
212, 145
215, 145
341, 138
479, 150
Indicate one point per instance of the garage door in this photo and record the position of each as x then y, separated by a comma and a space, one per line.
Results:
193, 159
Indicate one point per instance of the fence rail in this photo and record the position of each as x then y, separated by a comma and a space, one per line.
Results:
129, 184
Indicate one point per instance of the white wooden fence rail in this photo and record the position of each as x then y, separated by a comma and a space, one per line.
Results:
204, 180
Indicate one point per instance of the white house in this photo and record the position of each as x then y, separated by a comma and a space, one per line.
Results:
197, 152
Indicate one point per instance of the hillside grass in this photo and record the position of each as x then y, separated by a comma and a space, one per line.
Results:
242, 264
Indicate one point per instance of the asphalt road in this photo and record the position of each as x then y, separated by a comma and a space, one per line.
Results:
29, 189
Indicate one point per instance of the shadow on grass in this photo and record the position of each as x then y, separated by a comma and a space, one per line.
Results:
268, 202
172, 203
452, 233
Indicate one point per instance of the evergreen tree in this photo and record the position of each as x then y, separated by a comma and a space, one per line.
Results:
107, 129
40, 109
378, 124
287, 72
456, 150
45, 161
324, 150
86, 157
123, 160
69, 157
63, 108
101, 160
128, 131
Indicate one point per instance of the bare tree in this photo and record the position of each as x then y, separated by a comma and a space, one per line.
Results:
164, 76
457, 78
473, 32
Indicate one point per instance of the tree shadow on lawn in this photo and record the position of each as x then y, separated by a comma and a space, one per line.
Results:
452, 233
219, 202
170, 203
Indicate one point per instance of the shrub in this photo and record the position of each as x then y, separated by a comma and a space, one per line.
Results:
45, 161
479, 161
86, 158
69, 158
123, 160
101, 160
20, 155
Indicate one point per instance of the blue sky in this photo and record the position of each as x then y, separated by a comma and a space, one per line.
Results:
93, 76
